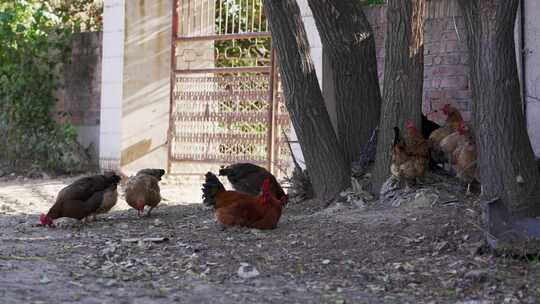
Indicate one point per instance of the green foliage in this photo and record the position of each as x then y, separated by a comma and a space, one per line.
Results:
233, 16
36, 40
372, 2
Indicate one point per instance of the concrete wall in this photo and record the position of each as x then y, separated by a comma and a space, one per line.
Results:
80, 94
146, 84
317, 57
112, 84
532, 72
135, 78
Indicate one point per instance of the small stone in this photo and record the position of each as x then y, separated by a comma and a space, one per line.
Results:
477, 275
45, 280
441, 246
247, 271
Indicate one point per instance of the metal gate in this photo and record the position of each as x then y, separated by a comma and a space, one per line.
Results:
226, 100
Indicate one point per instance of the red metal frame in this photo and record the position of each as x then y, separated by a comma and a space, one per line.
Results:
224, 37
273, 115
174, 34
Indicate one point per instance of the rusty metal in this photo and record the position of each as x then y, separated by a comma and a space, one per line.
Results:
172, 99
226, 70
271, 128
218, 37
226, 101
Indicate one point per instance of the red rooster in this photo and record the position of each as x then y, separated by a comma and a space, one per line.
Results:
248, 178
238, 209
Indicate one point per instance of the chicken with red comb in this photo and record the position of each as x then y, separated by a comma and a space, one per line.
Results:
83, 198
234, 208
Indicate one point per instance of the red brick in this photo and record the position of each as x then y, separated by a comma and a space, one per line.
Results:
452, 46
461, 94
449, 36
454, 82
428, 60
451, 59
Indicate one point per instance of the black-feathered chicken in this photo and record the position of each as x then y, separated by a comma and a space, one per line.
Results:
248, 178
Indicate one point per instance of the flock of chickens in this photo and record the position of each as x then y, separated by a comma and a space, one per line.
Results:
451, 146
256, 203
258, 199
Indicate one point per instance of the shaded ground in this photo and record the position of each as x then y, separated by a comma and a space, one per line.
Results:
422, 252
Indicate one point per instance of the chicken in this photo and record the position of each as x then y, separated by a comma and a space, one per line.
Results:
409, 162
450, 144
234, 208
248, 178
416, 144
83, 198
466, 158
143, 190
428, 126
453, 119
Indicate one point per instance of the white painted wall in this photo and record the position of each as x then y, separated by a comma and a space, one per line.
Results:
532, 70
112, 82
317, 57
146, 90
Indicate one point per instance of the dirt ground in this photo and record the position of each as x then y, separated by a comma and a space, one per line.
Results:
427, 250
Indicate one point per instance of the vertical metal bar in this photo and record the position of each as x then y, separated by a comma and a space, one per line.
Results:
220, 17
188, 17
209, 20
252, 29
270, 136
226, 17
181, 9
276, 112
172, 100
202, 25
232, 18
260, 15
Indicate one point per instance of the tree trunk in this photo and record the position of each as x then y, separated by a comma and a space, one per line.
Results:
348, 38
506, 160
325, 161
403, 77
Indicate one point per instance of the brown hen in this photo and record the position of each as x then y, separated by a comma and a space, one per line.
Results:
453, 119
83, 198
143, 190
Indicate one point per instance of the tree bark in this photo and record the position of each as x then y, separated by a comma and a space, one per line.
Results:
506, 160
348, 38
328, 170
403, 78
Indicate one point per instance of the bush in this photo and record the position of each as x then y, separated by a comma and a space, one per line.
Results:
35, 43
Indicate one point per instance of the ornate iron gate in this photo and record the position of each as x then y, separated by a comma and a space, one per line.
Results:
226, 98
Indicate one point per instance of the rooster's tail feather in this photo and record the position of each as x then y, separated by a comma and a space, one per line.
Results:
210, 188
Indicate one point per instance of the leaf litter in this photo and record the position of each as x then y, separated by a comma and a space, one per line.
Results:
425, 246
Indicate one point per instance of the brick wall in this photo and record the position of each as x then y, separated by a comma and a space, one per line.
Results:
446, 74
79, 96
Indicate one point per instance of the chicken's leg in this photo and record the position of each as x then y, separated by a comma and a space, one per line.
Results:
149, 210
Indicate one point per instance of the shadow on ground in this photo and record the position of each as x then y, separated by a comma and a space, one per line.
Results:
343, 254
